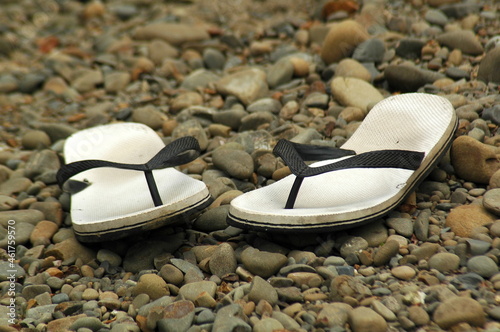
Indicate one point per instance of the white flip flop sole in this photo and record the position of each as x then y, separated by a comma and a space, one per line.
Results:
117, 202
345, 198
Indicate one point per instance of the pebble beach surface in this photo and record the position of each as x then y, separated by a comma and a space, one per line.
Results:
238, 76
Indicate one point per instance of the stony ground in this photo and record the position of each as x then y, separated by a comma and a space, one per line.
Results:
248, 73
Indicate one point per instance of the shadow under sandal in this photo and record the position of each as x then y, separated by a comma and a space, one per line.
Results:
121, 179
396, 146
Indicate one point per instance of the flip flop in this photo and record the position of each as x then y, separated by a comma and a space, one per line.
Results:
399, 142
122, 181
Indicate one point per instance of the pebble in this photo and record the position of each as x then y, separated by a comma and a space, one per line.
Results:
491, 201
486, 71
105, 255
255, 120
171, 274
223, 260
464, 218
15, 186
472, 160
409, 78
51, 210
267, 324
191, 128
482, 265
402, 226
213, 59
371, 50
43, 232
464, 40
478, 247
374, 233
152, 285
334, 314
341, 41
150, 116
87, 80
280, 73
90, 294
247, 85
186, 100
262, 290
385, 253
364, 319
300, 66
172, 33
421, 225
141, 255
444, 262
355, 92
91, 323
265, 105
199, 78
382, 310
353, 245
69, 250
116, 81
403, 272
459, 310
5, 267
418, 315
236, 163
262, 263
352, 68
35, 139
435, 16
410, 48
191, 291
230, 318
7, 203
177, 316
309, 279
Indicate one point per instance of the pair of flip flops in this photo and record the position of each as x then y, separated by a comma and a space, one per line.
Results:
122, 177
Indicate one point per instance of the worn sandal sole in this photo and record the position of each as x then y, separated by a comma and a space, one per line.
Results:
351, 197
116, 202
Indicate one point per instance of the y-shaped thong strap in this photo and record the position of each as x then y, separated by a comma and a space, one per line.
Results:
179, 152
295, 156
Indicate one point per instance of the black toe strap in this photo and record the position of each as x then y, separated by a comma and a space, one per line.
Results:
180, 151
295, 158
